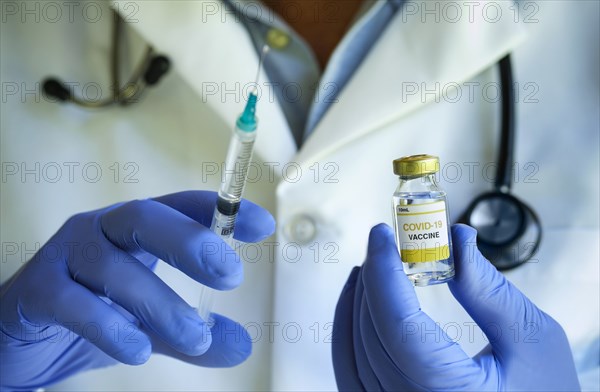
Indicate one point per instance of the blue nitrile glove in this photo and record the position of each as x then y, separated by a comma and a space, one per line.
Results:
378, 343
89, 298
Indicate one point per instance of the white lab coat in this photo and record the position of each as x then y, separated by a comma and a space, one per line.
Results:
341, 180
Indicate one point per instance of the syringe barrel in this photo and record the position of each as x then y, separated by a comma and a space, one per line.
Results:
238, 159
237, 162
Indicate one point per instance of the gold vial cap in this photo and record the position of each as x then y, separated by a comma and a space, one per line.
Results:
416, 165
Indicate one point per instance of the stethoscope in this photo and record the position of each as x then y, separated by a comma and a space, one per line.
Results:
509, 231
150, 70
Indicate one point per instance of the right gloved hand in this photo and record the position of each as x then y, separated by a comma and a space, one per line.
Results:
89, 298
384, 341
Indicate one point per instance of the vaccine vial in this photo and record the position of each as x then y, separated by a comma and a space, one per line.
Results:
421, 222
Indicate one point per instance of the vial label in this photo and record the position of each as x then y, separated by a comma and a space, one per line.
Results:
422, 232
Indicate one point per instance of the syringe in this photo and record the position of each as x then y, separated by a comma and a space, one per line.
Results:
229, 198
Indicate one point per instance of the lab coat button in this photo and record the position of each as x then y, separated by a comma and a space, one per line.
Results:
301, 229
277, 39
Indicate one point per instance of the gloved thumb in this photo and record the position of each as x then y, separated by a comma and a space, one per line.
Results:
401, 332
495, 304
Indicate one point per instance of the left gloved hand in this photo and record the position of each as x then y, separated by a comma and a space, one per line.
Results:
89, 297
383, 341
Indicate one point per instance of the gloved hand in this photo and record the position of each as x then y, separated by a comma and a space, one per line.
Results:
378, 344
89, 298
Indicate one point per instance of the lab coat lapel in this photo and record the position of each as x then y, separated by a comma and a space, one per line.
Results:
411, 56
213, 53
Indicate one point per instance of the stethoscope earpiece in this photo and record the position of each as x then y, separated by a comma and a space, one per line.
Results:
151, 69
56, 89
158, 67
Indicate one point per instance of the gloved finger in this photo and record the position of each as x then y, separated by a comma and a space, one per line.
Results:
389, 375
342, 348
366, 374
415, 343
76, 308
153, 227
491, 300
142, 293
253, 223
231, 345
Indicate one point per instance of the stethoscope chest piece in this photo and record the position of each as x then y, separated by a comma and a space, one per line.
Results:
508, 230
